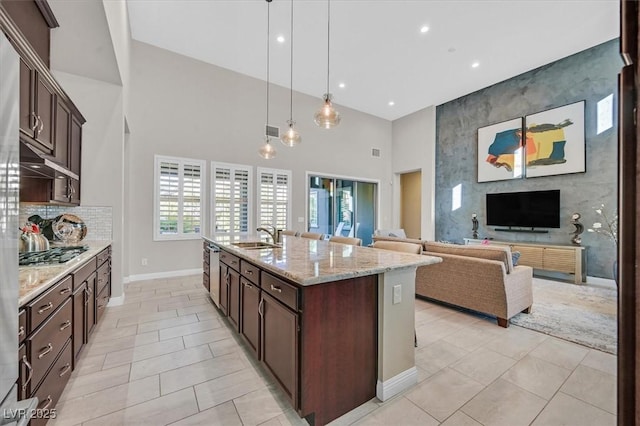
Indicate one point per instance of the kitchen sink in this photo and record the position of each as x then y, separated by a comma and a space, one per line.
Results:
252, 245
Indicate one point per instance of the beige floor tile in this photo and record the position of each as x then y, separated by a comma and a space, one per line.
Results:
189, 328
504, 404
356, 414
159, 301
226, 388
82, 409
399, 411
160, 411
209, 315
162, 363
460, 419
593, 386
516, 342
470, 338
200, 372
537, 376
223, 414
288, 418
224, 347
88, 364
438, 355
166, 323
258, 407
182, 304
141, 352
424, 374
205, 337
567, 410
143, 318
199, 295
432, 314
100, 334
123, 310
560, 352
601, 361
432, 331
102, 347
443, 393
204, 307
90, 383
483, 365
189, 291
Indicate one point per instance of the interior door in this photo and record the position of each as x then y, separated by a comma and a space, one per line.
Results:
411, 203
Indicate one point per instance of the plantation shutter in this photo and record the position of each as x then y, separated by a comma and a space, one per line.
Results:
274, 197
231, 198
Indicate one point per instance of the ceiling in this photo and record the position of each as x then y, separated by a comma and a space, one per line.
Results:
377, 48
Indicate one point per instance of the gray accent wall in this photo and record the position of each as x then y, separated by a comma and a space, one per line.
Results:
590, 75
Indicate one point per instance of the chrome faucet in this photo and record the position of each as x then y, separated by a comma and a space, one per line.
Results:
273, 232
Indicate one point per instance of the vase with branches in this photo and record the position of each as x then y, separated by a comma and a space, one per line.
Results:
608, 227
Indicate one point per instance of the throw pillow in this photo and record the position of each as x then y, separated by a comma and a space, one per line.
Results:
515, 255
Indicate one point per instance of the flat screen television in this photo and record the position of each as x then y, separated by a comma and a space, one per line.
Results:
532, 209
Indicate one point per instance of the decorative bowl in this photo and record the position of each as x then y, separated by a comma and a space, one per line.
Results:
69, 228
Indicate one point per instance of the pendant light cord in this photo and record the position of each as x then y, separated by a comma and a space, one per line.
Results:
291, 71
328, 39
268, 34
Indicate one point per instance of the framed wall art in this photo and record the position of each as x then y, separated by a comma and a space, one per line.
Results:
500, 152
555, 141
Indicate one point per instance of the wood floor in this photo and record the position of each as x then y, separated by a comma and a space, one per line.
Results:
167, 357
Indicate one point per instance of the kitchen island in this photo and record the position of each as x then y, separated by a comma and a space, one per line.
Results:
332, 323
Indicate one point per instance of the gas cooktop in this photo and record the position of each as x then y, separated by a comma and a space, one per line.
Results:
50, 257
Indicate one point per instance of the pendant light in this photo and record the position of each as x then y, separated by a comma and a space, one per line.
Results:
327, 116
291, 137
267, 151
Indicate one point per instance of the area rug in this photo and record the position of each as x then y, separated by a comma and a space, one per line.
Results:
584, 314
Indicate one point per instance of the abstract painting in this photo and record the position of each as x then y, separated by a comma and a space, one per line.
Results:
500, 153
555, 143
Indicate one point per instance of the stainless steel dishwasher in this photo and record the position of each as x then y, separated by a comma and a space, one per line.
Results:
214, 274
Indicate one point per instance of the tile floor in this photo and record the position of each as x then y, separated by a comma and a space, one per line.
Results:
167, 357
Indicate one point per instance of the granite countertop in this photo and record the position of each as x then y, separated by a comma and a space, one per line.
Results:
34, 280
309, 262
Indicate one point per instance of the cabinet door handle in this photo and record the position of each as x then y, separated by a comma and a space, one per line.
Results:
261, 308
64, 325
48, 349
99, 280
247, 285
248, 272
65, 290
45, 308
35, 121
30, 372
41, 125
49, 401
66, 368
21, 331
274, 288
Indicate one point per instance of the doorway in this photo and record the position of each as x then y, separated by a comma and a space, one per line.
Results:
410, 203
344, 207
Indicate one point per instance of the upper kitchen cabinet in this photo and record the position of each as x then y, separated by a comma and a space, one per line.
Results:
37, 108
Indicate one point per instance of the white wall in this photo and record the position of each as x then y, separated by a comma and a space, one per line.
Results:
414, 148
184, 107
117, 17
102, 154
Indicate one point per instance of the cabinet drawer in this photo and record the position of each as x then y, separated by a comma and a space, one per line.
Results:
559, 260
282, 291
45, 344
43, 306
83, 273
206, 281
104, 274
101, 303
230, 260
22, 325
103, 256
205, 255
51, 388
250, 272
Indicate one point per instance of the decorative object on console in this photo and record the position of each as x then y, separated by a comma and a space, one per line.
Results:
267, 151
555, 141
474, 227
575, 221
327, 116
610, 231
500, 153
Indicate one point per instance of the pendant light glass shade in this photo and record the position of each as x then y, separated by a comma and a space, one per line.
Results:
267, 151
327, 116
291, 137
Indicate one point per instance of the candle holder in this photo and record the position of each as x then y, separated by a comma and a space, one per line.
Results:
474, 225
575, 221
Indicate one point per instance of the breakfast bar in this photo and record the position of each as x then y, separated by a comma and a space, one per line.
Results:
332, 323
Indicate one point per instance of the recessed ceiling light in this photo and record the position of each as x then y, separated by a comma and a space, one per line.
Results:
342, 85
475, 65
280, 39
424, 29
391, 103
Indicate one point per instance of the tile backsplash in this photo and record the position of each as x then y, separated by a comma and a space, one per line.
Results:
99, 220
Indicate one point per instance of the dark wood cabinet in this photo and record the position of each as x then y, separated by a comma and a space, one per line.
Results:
37, 108
79, 322
250, 319
90, 305
27, 119
62, 133
224, 288
279, 350
25, 373
234, 298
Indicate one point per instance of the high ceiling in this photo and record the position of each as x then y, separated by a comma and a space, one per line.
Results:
377, 48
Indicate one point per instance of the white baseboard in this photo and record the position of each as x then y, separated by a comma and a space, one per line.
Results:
397, 384
116, 301
167, 274
125, 280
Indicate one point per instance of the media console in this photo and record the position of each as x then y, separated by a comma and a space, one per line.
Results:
546, 257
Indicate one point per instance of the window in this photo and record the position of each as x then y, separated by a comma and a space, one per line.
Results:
230, 201
178, 198
274, 197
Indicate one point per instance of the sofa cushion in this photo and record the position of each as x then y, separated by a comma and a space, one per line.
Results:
501, 253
